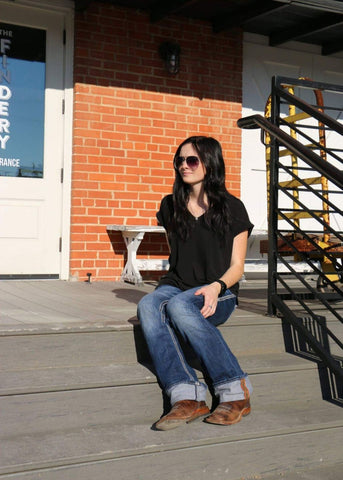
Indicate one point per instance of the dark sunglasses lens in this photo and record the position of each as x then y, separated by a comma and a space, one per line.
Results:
192, 162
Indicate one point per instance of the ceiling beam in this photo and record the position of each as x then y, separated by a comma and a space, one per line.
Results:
162, 9
305, 28
244, 14
334, 6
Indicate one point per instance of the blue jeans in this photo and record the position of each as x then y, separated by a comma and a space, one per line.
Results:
169, 309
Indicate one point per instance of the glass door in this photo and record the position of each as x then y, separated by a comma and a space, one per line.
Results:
31, 141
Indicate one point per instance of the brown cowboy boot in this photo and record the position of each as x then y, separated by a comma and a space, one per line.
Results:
184, 411
229, 413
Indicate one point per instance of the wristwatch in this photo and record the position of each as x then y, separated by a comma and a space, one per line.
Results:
223, 287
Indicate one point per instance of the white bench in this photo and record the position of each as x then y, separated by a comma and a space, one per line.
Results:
133, 235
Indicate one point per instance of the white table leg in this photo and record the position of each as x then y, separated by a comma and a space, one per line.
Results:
130, 272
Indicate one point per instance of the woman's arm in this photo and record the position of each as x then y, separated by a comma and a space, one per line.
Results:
236, 269
232, 275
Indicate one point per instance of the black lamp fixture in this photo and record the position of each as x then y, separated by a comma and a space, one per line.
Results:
170, 54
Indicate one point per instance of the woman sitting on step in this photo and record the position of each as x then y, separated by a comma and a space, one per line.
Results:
207, 230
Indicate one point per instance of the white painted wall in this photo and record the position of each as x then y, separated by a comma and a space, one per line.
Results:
260, 63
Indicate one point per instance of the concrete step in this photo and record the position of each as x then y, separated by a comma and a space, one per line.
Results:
76, 404
99, 347
95, 431
36, 306
320, 472
76, 376
298, 456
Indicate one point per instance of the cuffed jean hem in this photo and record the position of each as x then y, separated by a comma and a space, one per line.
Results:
232, 391
187, 391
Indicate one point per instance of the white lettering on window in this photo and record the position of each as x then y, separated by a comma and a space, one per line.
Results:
3, 141
5, 93
4, 109
4, 125
10, 162
4, 45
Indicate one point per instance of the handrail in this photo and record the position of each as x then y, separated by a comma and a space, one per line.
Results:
315, 161
308, 83
291, 292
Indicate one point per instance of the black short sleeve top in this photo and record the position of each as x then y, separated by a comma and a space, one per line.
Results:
205, 255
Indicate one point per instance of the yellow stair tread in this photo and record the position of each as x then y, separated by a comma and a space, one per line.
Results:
285, 152
295, 183
297, 117
302, 214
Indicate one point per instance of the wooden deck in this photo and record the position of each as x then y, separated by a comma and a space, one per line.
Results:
78, 396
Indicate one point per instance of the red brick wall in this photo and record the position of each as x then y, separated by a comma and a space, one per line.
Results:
129, 117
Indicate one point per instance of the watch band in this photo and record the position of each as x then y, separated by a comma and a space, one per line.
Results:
223, 287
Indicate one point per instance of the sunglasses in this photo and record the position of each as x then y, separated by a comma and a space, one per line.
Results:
191, 161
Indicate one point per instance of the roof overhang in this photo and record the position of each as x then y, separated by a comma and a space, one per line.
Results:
317, 22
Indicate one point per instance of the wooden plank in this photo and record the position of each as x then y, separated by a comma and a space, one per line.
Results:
63, 305
312, 455
66, 428
302, 245
296, 183
302, 214
135, 228
284, 152
297, 117
22, 380
121, 347
157, 264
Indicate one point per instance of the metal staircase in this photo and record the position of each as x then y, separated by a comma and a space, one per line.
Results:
304, 153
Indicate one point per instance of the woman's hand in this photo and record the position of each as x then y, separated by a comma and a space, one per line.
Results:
230, 277
210, 293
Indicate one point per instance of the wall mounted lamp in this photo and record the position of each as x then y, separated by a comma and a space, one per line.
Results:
170, 54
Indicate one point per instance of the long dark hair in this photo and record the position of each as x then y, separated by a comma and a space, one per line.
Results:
218, 215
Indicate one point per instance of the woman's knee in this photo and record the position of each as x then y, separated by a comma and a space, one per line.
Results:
175, 306
182, 309
149, 310
145, 308
144, 303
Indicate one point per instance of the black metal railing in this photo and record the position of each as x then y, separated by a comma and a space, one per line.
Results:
305, 219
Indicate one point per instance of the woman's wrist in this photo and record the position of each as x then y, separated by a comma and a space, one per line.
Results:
223, 287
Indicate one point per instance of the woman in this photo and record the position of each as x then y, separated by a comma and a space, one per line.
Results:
207, 231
